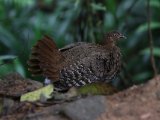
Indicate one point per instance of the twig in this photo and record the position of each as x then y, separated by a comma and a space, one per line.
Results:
151, 38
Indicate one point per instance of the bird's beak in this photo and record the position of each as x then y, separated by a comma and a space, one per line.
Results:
123, 37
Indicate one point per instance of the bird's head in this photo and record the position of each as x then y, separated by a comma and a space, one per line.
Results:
112, 37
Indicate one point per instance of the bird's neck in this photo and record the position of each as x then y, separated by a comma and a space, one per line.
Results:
108, 45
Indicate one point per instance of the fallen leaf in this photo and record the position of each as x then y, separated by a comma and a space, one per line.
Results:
37, 94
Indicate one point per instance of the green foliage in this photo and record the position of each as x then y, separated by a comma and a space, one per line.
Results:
156, 51
97, 89
23, 22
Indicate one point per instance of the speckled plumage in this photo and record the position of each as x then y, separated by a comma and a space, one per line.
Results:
77, 64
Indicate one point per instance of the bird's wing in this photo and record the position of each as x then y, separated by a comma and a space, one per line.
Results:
70, 46
46, 59
106, 65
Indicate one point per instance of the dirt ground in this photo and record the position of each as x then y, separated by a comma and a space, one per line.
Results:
140, 102
137, 103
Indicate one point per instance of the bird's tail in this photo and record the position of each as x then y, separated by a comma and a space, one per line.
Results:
45, 59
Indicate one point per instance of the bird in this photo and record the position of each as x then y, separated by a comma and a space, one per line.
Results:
77, 64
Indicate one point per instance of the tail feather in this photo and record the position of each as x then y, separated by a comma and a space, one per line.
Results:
46, 59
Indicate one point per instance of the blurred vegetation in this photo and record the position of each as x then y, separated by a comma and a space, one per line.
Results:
23, 22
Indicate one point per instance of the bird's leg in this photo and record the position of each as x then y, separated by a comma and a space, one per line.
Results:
47, 81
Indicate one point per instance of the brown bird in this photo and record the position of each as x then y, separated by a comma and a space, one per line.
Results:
77, 64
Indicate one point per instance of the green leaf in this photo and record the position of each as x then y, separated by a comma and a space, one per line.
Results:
111, 6
19, 67
23, 3
37, 94
155, 3
144, 27
5, 57
6, 37
98, 7
156, 51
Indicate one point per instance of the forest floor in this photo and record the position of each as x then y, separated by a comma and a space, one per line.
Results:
140, 102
